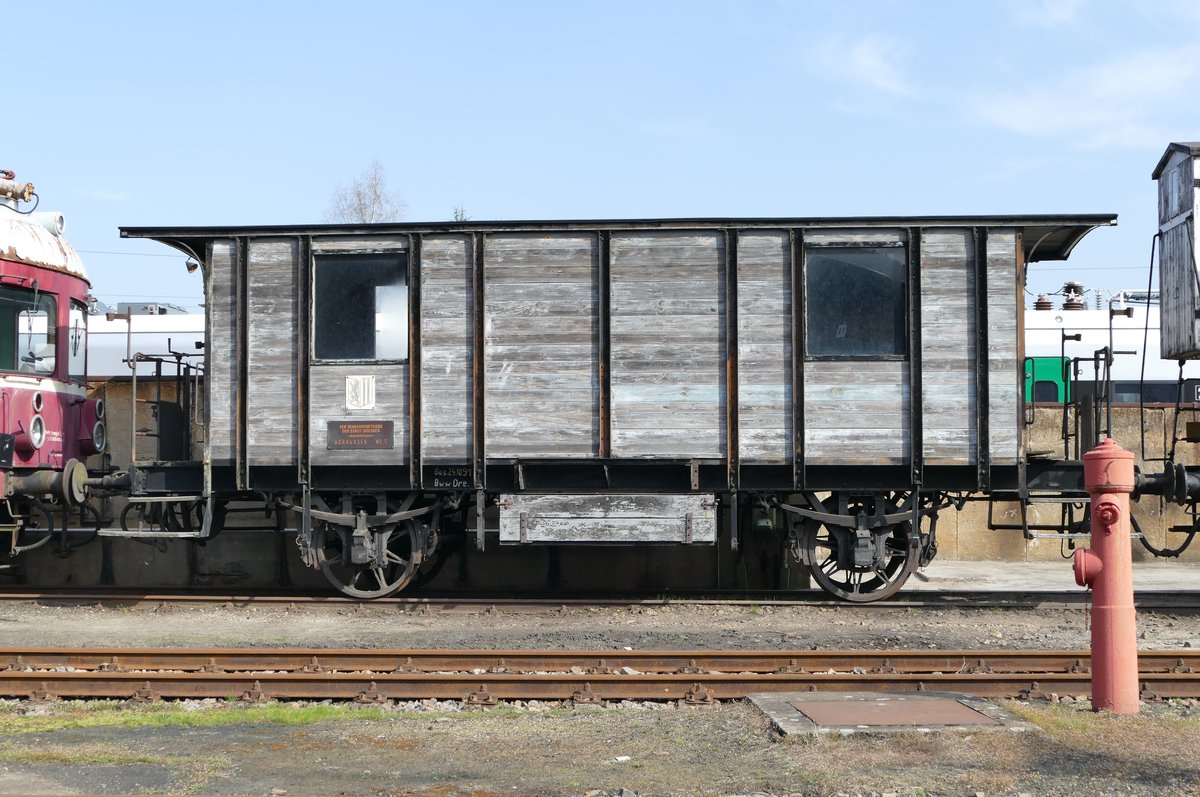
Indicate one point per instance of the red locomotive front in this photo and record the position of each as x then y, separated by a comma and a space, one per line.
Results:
48, 425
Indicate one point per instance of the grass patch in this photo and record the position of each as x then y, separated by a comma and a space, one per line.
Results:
104, 714
1179, 736
73, 714
1149, 748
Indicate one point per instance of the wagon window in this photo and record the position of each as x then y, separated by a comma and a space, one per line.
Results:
856, 301
360, 307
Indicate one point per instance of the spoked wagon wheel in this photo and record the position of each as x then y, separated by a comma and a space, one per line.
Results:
376, 580
830, 553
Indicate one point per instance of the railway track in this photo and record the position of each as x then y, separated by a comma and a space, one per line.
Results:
535, 603
484, 677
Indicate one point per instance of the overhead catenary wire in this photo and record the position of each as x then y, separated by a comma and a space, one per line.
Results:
126, 254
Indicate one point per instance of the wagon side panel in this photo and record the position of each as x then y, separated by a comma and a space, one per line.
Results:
856, 410
328, 407
948, 347
856, 413
668, 344
358, 380
764, 347
1179, 279
221, 376
271, 403
542, 345
447, 348
1005, 380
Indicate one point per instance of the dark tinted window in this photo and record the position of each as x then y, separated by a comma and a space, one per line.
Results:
360, 307
1152, 393
856, 301
1127, 392
1046, 391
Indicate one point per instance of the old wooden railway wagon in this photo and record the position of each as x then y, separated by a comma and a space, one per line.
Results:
609, 382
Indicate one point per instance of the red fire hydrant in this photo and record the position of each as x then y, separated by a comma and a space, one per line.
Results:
1107, 567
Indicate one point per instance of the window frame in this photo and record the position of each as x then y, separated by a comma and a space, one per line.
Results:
49, 302
400, 256
81, 377
904, 247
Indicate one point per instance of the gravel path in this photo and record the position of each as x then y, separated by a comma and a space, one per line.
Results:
679, 627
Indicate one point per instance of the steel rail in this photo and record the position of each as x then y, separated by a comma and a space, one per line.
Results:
594, 661
583, 676
1147, 600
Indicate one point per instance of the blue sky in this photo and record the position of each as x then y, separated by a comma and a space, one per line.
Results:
130, 113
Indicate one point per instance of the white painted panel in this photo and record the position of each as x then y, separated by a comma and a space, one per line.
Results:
607, 519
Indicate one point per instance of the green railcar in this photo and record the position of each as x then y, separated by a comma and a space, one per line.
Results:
1047, 379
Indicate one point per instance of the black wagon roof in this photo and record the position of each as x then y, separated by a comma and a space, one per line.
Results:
1189, 147
1046, 237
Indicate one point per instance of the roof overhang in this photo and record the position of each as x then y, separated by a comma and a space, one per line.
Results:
1056, 241
1191, 148
1045, 237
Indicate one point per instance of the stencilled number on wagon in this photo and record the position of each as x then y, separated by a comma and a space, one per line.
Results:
455, 478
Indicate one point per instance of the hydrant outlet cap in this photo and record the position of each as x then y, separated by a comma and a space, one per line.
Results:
1087, 566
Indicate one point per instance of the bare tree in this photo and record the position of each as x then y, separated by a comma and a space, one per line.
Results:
460, 213
366, 200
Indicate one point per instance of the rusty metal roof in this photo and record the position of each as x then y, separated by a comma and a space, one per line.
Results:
25, 240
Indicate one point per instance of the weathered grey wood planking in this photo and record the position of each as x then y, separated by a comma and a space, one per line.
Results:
358, 244
856, 412
1178, 206
271, 398
221, 374
1005, 377
948, 403
647, 267
1177, 287
327, 402
447, 346
542, 339
764, 344
853, 235
607, 518
1177, 187
668, 352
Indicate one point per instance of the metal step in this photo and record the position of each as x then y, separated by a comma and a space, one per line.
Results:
1033, 535
1057, 499
183, 535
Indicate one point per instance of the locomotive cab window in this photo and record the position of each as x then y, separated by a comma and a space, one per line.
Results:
360, 307
77, 343
856, 301
28, 326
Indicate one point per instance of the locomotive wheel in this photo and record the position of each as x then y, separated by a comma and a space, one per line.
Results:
366, 581
859, 584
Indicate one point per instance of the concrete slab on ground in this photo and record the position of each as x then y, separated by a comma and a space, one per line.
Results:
1045, 577
813, 713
